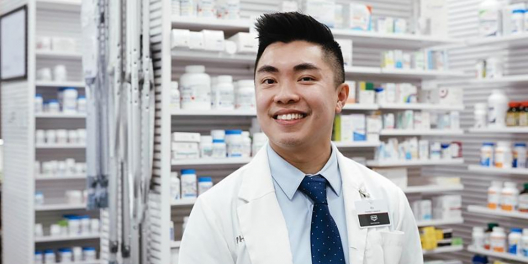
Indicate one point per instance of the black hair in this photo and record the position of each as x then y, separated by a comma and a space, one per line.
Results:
294, 26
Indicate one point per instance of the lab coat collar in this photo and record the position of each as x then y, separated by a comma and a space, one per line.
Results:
262, 223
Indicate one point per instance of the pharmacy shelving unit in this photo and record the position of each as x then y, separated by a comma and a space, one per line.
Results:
500, 171
498, 212
439, 222
433, 188
50, 18
443, 250
511, 130
511, 41
420, 132
241, 67
510, 79
499, 255
413, 163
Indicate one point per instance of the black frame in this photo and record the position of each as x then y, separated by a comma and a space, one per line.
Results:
25, 75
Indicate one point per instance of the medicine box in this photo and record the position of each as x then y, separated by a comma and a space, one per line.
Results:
180, 38
63, 44
196, 40
245, 42
447, 207
358, 127
213, 40
346, 50
397, 175
360, 17
185, 145
322, 10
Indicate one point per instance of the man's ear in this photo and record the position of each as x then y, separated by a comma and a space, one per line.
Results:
342, 97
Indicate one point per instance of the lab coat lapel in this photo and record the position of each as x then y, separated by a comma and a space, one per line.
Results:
352, 182
261, 221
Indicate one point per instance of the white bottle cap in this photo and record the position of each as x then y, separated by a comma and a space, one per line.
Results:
195, 69
246, 83
225, 79
218, 134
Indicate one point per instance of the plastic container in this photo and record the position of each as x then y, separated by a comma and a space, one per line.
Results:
494, 195
498, 240
524, 243
60, 74
523, 114
69, 105
234, 143
49, 256
53, 107
85, 225
225, 93
39, 230
39, 198
195, 88
175, 186
246, 145
40, 137
497, 108
503, 155
66, 255
175, 97
487, 243
259, 140
95, 225
486, 154
62, 136
509, 196
39, 103
436, 151
517, 19
519, 155
171, 231
512, 116
188, 184
526, 20
44, 74
478, 237
479, 259
219, 148
89, 254
446, 152
204, 184
245, 97
81, 104
514, 241
206, 146
206, 8
77, 254
218, 134
523, 199
39, 257
489, 18
187, 8
74, 226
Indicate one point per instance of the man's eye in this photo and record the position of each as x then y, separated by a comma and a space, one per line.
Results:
268, 81
307, 79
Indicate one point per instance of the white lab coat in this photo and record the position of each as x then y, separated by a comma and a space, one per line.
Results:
239, 220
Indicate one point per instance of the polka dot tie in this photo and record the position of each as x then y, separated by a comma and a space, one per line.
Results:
325, 239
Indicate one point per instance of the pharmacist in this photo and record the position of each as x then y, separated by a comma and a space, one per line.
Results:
300, 200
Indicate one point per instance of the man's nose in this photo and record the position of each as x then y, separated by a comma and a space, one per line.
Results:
287, 93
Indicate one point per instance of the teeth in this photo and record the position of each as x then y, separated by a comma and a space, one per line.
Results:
290, 117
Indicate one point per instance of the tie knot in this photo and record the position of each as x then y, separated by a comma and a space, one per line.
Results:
315, 188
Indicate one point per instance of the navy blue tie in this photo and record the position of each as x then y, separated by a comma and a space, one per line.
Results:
325, 239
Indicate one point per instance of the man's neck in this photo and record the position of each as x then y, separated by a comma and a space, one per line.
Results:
309, 161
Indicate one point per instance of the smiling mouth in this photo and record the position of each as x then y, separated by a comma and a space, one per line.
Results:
295, 116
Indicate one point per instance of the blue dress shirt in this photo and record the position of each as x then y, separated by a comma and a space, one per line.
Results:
297, 207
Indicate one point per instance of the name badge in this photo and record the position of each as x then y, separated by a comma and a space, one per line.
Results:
372, 213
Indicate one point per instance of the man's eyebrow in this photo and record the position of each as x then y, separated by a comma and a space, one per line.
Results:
305, 66
268, 69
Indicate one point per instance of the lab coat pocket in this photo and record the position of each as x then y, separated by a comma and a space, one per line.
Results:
374, 249
392, 243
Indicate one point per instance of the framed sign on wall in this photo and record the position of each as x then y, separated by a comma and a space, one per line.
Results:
13, 45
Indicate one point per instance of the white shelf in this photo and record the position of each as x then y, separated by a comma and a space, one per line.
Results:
65, 238
444, 250
422, 74
60, 84
356, 144
409, 163
57, 177
502, 80
175, 244
47, 115
490, 253
361, 107
420, 106
493, 170
517, 40
183, 202
211, 161
213, 56
440, 222
487, 211
195, 23
61, 146
60, 5
363, 70
57, 55
500, 130
433, 188
430, 132
59, 207
182, 112
392, 40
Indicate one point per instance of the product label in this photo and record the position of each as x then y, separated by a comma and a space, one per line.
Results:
197, 93
513, 247
523, 119
488, 22
523, 203
493, 199
498, 244
508, 202
226, 99
246, 101
486, 158
234, 150
188, 188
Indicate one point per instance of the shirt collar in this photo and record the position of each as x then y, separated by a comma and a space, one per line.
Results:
289, 178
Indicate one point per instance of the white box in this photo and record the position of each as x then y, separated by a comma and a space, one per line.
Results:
360, 17
397, 175
367, 96
347, 134
186, 137
447, 207
180, 38
63, 44
358, 127
196, 40
423, 149
346, 49
185, 145
374, 124
245, 42
213, 40
507, 25
322, 10
426, 120
422, 210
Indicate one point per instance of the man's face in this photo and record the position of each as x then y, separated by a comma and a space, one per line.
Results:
296, 95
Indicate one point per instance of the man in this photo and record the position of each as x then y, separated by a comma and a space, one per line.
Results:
300, 201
